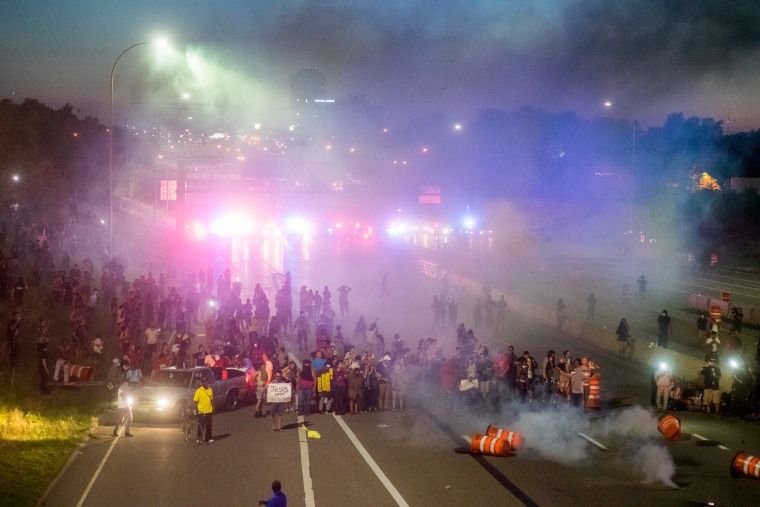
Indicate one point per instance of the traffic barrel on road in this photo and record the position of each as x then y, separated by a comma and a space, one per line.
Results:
515, 439
670, 427
744, 465
715, 313
493, 446
593, 393
725, 296
83, 373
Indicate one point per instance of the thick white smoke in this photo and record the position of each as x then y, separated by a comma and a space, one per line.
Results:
651, 460
554, 435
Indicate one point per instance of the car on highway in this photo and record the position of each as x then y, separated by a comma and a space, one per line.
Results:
170, 390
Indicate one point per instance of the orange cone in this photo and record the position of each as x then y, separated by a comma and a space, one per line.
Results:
744, 465
493, 446
670, 427
593, 393
515, 439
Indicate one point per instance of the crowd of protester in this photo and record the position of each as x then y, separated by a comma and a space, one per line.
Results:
189, 317
186, 317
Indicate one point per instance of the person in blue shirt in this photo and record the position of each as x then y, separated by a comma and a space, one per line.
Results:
277, 499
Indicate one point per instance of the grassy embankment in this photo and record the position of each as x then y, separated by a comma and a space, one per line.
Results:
38, 433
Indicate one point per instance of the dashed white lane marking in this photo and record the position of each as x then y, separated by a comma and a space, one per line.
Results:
595, 442
97, 472
308, 487
371, 462
719, 446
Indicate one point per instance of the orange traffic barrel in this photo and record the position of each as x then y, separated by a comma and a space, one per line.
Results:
745, 465
485, 444
593, 393
725, 296
670, 427
80, 373
515, 439
715, 313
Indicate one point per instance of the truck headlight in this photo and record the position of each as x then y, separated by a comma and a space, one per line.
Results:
162, 403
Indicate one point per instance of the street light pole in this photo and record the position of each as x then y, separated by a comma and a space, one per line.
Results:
110, 139
110, 146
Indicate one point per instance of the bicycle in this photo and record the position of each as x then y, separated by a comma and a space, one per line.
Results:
193, 429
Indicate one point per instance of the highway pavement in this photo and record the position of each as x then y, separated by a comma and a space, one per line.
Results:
419, 457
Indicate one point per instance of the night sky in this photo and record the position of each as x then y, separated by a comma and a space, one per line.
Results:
411, 57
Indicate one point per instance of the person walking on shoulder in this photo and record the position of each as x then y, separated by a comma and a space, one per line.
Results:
124, 410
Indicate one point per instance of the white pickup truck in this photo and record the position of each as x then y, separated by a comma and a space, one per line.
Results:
170, 390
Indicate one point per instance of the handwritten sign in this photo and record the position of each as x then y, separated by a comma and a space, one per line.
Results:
278, 393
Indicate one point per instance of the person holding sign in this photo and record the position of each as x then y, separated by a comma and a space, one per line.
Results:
278, 396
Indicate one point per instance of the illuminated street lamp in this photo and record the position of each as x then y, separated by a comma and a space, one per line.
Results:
160, 43
609, 105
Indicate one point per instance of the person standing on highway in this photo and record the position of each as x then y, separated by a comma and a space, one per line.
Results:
664, 329
624, 337
702, 323
642, 281
343, 291
277, 499
591, 302
204, 397
711, 394
561, 313
713, 343
302, 328
662, 377
123, 410
277, 408
305, 388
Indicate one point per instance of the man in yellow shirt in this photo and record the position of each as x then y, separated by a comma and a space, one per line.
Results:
204, 397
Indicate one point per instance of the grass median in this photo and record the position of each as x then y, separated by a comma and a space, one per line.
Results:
37, 436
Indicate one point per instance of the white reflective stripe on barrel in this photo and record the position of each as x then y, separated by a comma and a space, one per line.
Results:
509, 437
482, 444
493, 445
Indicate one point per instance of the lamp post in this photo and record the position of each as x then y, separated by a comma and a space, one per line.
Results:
110, 140
609, 105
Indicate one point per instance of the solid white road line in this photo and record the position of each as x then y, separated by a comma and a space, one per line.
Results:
371, 462
596, 443
698, 436
97, 472
308, 488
